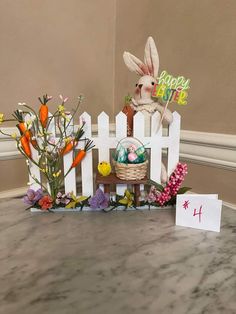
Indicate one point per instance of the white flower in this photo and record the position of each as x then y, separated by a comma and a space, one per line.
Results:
29, 119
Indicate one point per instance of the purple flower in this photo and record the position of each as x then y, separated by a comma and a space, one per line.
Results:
32, 196
99, 200
63, 199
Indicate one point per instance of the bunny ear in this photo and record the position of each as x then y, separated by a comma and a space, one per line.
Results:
151, 57
134, 64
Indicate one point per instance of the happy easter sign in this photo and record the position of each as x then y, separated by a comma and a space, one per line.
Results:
171, 89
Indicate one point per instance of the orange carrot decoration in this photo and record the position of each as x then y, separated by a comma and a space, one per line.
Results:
18, 115
82, 153
69, 146
24, 131
43, 110
79, 157
25, 145
43, 115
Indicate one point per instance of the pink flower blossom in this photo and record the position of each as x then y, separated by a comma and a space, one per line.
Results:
153, 194
173, 185
171, 188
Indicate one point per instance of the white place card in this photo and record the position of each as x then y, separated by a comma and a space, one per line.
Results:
201, 211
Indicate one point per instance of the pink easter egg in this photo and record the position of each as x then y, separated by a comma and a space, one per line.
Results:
132, 156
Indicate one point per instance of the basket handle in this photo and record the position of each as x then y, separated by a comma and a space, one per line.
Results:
130, 137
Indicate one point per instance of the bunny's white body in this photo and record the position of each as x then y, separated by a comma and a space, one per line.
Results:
142, 100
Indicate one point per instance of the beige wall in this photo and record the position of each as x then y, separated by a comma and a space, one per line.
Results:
57, 46
76, 46
214, 180
13, 174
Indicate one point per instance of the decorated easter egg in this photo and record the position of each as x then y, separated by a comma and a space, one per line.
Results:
122, 154
140, 150
132, 157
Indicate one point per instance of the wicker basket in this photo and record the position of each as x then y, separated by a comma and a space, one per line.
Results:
130, 171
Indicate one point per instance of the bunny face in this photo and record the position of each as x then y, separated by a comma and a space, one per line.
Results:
148, 70
143, 90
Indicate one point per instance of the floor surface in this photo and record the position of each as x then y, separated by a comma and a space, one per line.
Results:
119, 262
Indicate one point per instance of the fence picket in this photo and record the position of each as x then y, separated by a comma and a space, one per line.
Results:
103, 143
156, 153
70, 179
174, 140
52, 138
87, 162
139, 126
121, 132
34, 170
140, 129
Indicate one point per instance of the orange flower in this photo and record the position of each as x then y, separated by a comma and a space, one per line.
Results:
46, 202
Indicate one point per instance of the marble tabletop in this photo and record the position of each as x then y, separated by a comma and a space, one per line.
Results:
119, 262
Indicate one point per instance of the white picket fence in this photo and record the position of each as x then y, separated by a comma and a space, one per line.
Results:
104, 141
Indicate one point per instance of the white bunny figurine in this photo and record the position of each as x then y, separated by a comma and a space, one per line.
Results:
148, 71
142, 100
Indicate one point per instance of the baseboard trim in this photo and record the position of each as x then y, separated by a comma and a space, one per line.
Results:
229, 205
17, 192
210, 149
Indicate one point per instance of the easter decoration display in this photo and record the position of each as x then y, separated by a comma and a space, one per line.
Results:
44, 139
55, 144
130, 159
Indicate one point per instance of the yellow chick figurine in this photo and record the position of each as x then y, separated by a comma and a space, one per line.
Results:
104, 168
